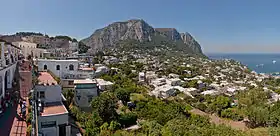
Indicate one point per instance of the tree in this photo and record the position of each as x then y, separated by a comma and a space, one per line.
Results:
258, 116
195, 126
220, 103
123, 94
151, 128
69, 95
114, 125
274, 112
159, 111
105, 105
74, 40
231, 113
252, 97
82, 47
192, 83
128, 119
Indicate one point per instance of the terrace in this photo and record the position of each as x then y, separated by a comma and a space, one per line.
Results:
55, 108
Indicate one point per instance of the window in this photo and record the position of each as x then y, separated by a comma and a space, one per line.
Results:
48, 124
79, 98
70, 82
71, 67
42, 94
57, 67
45, 67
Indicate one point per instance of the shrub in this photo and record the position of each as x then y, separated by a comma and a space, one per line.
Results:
201, 106
135, 97
231, 114
29, 118
29, 130
128, 119
188, 107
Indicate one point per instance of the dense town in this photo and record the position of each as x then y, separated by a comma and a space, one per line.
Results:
132, 91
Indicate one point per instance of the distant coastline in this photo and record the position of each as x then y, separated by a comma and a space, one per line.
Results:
268, 63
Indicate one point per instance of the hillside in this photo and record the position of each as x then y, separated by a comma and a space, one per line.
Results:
43, 40
139, 30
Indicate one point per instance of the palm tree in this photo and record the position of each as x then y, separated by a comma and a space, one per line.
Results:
69, 95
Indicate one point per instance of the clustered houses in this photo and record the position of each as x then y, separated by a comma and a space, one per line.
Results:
10, 56
166, 73
29, 48
164, 87
77, 75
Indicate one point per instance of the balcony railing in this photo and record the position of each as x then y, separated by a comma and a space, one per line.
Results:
77, 76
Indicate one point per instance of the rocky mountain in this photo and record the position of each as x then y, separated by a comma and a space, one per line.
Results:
139, 30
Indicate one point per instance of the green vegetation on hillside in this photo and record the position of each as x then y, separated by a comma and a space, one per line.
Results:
82, 48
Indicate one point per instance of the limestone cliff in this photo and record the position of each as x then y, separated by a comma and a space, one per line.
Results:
141, 31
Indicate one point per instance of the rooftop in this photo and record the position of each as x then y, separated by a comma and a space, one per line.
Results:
104, 82
54, 108
87, 69
46, 78
84, 81
70, 60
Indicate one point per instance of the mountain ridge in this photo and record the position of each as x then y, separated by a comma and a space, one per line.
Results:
139, 30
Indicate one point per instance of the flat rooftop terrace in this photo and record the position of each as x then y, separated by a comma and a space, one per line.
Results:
55, 108
84, 81
46, 78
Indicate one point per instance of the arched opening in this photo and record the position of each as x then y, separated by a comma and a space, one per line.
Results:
71, 67
12, 58
7, 79
45, 67
57, 67
1, 86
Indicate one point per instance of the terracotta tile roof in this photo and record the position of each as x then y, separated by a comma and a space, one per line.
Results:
46, 78
54, 108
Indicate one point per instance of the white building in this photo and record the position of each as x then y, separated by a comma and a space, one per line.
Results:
158, 82
66, 70
176, 82
29, 48
58, 67
172, 75
150, 75
53, 117
73, 46
210, 92
141, 77
164, 91
85, 91
104, 85
101, 70
10, 56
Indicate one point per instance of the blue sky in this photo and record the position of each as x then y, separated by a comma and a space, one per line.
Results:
218, 25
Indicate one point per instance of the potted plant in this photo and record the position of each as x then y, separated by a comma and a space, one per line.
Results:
29, 130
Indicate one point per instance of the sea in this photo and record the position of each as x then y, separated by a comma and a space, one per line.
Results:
261, 63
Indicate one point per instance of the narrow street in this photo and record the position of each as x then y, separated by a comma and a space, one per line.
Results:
11, 123
6, 121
